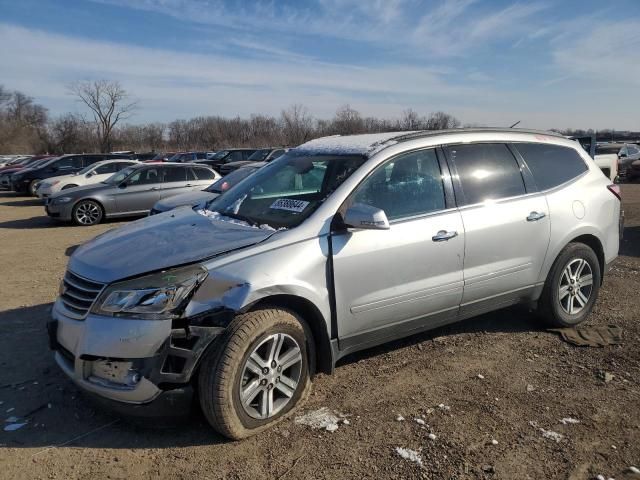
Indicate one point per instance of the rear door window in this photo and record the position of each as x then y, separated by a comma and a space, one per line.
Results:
486, 171
69, 162
107, 168
551, 165
175, 174
203, 173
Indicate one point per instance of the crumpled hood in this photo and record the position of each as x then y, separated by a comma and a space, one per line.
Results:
190, 198
161, 241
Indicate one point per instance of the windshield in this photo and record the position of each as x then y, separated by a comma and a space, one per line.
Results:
87, 169
220, 154
285, 192
259, 155
120, 176
230, 180
175, 158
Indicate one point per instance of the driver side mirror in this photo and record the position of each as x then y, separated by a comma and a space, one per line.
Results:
622, 155
122, 185
90, 174
366, 217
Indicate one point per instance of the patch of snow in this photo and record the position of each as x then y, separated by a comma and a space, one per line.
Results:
635, 470
223, 218
410, 455
442, 406
551, 435
323, 418
399, 418
9, 410
420, 421
346, 422
480, 376
569, 420
432, 436
14, 426
365, 144
12, 419
494, 442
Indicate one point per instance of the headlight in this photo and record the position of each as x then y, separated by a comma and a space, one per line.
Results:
154, 297
59, 200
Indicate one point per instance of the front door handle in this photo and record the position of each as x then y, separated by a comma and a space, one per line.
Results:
535, 216
443, 236
154, 188
188, 185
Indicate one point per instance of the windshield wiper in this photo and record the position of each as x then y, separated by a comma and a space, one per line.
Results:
238, 216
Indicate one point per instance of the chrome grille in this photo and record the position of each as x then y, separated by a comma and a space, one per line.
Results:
79, 294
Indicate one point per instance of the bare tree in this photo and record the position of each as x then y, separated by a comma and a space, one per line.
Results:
441, 121
297, 124
109, 103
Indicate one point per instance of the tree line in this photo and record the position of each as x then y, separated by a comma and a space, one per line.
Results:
26, 126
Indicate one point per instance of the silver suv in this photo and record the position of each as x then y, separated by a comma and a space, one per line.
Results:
341, 244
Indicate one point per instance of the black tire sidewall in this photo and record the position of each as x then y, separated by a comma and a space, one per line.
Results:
74, 212
31, 188
571, 253
247, 421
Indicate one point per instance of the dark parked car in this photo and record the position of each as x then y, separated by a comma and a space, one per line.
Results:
5, 175
633, 171
27, 181
227, 156
214, 190
262, 155
24, 163
187, 157
143, 157
130, 192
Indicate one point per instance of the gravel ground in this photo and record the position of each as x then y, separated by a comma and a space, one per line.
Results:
490, 393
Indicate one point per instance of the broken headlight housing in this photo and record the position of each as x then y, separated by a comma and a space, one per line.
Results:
159, 296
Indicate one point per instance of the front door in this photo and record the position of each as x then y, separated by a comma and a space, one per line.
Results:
507, 227
141, 191
391, 282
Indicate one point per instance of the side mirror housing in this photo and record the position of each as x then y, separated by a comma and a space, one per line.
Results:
122, 185
90, 174
622, 155
366, 217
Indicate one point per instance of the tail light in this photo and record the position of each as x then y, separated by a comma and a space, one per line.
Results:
616, 190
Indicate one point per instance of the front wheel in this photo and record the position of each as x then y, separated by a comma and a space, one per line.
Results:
86, 213
257, 373
33, 187
572, 286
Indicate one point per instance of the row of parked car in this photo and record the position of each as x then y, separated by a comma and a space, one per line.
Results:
86, 188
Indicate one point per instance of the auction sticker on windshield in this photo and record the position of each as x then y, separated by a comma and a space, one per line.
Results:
289, 205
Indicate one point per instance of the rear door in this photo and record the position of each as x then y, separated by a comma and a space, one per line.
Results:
391, 282
174, 180
140, 191
201, 178
506, 225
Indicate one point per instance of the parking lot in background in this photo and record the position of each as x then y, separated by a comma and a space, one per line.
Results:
489, 391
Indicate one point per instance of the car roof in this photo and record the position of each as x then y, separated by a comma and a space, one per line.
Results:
370, 143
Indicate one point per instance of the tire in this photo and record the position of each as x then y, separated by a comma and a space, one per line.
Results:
562, 303
226, 372
86, 213
33, 187
71, 185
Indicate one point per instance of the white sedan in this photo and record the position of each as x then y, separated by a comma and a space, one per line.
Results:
94, 173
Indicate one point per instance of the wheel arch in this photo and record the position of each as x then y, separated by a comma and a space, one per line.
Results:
595, 244
315, 320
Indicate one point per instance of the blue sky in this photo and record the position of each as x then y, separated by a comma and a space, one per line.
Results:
569, 63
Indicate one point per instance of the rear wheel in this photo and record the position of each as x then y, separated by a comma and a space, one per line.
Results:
257, 373
572, 286
86, 212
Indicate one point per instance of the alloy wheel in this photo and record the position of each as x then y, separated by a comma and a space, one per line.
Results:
576, 285
270, 376
87, 213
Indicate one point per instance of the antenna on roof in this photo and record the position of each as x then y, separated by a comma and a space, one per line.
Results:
515, 124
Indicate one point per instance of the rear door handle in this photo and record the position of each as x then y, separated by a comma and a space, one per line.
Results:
443, 236
535, 216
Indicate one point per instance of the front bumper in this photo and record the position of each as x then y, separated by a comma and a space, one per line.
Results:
20, 186
62, 211
127, 361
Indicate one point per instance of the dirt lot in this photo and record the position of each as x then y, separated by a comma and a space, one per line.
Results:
531, 380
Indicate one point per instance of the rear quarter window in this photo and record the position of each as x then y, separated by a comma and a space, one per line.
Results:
551, 165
